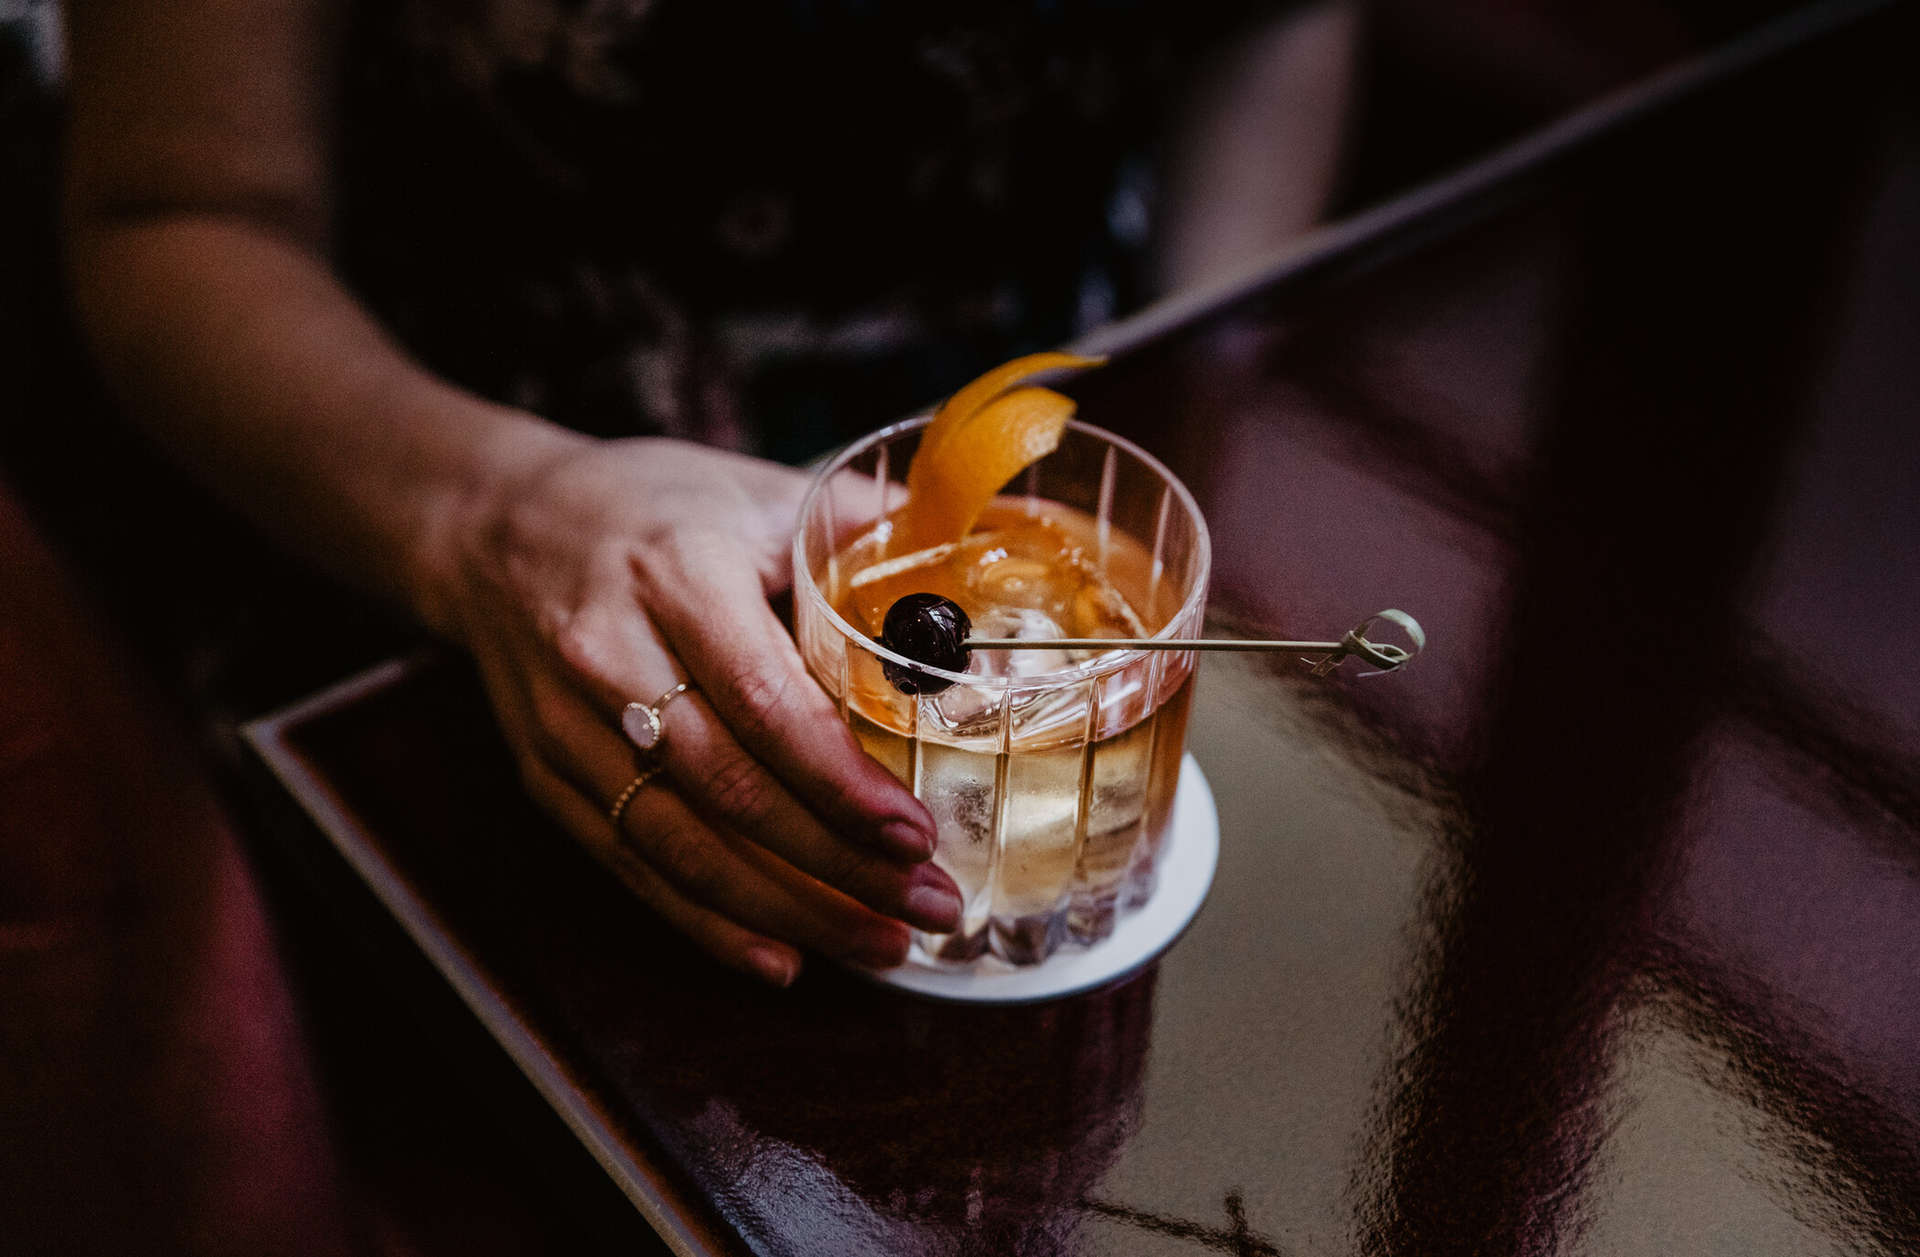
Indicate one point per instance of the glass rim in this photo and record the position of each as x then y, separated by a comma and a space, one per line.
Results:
1099, 666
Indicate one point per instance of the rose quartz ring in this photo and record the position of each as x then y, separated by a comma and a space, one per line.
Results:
641, 721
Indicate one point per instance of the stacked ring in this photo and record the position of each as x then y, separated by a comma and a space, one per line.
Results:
619, 808
641, 721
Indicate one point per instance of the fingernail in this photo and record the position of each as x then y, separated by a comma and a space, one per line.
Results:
906, 839
933, 906
776, 967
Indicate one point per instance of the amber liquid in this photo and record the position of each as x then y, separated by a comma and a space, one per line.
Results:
1052, 799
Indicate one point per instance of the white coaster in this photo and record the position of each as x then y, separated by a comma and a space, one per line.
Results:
1186, 872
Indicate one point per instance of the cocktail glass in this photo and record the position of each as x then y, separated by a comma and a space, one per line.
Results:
1050, 774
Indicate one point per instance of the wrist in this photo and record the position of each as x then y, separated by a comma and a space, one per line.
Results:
464, 515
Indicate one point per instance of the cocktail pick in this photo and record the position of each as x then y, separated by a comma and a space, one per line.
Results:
934, 631
1385, 656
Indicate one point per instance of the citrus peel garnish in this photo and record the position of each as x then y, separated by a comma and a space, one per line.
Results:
982, 437
948, 488
979, 392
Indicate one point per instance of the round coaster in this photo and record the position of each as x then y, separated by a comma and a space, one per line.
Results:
1186, 872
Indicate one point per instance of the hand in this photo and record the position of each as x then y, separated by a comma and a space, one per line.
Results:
595, 573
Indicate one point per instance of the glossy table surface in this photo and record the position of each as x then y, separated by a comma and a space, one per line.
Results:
1596, 931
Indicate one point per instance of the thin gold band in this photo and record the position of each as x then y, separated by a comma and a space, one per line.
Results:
619, 807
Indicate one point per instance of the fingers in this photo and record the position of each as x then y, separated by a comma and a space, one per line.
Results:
742, 944
753, 842
727, 941
716, 620
737, 796
733, 789
724, 875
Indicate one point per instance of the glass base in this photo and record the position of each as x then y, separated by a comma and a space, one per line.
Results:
1186, 869
1091, 920
1028, 940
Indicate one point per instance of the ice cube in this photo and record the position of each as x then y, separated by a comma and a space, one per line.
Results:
1017, 624
1023, 568
968, 712
1100, 610
963, 714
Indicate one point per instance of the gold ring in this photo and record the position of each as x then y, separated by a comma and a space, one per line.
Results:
641, 721
619, 807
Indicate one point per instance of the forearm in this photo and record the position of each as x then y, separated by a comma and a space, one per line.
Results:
579, 575
1257, 151
236, 347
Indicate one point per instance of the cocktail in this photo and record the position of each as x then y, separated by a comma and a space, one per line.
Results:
1050, 772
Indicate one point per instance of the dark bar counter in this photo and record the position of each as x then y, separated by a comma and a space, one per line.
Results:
1597, 930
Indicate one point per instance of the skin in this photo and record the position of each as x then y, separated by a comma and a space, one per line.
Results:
1260, 143
579, 573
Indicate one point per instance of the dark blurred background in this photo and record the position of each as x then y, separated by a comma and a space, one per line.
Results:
865, 208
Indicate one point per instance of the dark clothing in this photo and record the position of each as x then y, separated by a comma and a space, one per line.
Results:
712, 218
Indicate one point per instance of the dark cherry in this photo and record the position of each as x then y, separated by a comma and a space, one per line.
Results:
928, 629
